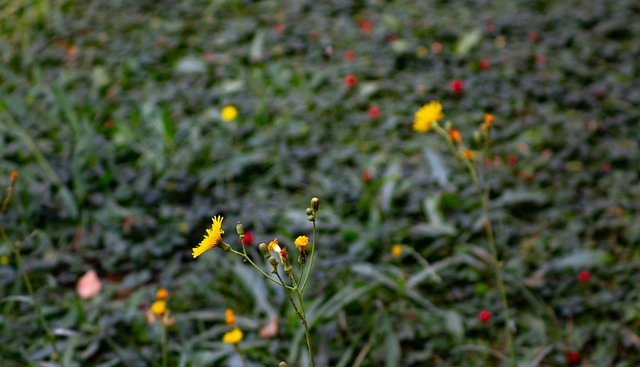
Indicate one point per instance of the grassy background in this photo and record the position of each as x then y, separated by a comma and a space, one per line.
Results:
110, 113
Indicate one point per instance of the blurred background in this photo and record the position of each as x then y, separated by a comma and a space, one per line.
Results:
112, 114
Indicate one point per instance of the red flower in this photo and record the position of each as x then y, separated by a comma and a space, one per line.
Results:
484, 64
457, 86
350, 80
365, 26
248, 238
392, 37
374, 112
541, 59
366, 176
533, 36
349, 55
605, 168
279, 28
512, 159
583, 276
573, 357
484, 316
436, 47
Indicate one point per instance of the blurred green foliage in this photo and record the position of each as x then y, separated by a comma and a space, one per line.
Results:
110, 112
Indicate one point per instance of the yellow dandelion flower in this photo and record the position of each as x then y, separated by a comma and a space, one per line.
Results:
273, 246
427, 115
301, 243
229, 113
233, 337
159, 307
162, 294
212, 239
230, 318
396, 250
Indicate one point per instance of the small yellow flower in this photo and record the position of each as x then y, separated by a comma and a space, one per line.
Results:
212, 239
427, 115
229, 113
454, 134
233, 337
162, 294
488, 120
4, 260
422, 52
159, 308
396, 250
230, 318
301, 243
273, 246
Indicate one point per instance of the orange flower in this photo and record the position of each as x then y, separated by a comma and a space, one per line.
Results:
14, 176
230, 317
488, 120
454, 134
468, 154
162, 294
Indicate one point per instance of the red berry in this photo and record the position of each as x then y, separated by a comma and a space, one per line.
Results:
248, 238
350, 80
374, 112
484, 64
583, 276
457, 86
349, 55
484, 316
573, 357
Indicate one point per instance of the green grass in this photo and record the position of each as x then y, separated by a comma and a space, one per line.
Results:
109, 111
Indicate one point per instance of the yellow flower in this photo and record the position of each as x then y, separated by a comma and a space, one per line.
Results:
162, 294
427, 115
229, 113
233, 337
396, 250
159, 307
212, 238
469, 154
301, 243
273, 246
230, 318
4, 260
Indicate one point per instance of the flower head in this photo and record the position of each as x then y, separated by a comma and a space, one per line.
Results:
427, 115
484, 316
350, 80
584, 276
396, 250
229, 113
212, 239
454, 134
301, 243
373, 112
158, 308
457, 86
233, 337
14, 176
488, 120
273, 246
230, 318
162, 294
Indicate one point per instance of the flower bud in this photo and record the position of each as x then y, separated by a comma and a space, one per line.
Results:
14, 176
264, 249
273, 262
477, 137
286, 264
309, 211
240, 229
315, 204
311, 218
282, 364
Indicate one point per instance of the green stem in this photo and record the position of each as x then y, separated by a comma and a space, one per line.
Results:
257, 267
306, 329
313, 255
484, 199
50, 336
164, 344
